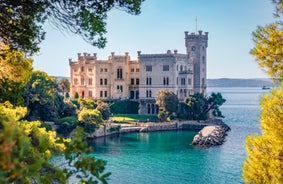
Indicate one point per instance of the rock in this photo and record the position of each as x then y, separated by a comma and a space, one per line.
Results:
211, 135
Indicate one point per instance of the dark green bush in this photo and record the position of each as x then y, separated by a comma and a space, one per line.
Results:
124, 107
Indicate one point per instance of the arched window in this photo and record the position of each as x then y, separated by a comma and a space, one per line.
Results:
152, 109
148, 108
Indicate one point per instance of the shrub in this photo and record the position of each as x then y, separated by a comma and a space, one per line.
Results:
104, 109
90, 119
67, 125
124, 107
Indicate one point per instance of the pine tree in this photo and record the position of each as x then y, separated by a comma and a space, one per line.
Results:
264, 163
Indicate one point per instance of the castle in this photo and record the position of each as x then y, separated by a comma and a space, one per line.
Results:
119, 77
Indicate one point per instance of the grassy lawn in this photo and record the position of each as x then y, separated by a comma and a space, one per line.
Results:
133, 117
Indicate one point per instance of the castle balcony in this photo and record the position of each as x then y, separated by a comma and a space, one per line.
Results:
119, 79
133, 87
186, 72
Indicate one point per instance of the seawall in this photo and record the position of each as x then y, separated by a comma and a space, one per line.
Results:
113, 129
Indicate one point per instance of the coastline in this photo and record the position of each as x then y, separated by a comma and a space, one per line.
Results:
213, 136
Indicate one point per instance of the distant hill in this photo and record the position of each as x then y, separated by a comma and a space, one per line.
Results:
228, 82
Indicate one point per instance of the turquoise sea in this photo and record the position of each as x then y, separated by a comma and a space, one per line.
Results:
168, 157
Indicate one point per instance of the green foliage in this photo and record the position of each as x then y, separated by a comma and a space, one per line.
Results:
162, 115
124, 107
264, 163
69, 109
41, 98
90, 119
167, 101
264, 153
76, 95
87, 103
85, 167
15, 71
268, 49
104, 109
63, 86
22, 22
67, 125
67, 95
198, 106
45, 125
26, 149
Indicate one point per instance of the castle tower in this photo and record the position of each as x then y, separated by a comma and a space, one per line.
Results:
196, 44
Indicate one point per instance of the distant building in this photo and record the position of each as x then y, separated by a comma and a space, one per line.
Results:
119, 77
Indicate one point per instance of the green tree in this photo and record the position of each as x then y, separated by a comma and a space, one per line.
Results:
265, 153
76, 96
26, 150
167, 101
90, 119
104, 109
15, 71
268, 45
198, 106
41, 98
21, 21
63, 86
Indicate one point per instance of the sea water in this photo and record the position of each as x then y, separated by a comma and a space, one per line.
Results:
169, 157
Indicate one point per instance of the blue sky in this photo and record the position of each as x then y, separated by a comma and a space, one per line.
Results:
161, 26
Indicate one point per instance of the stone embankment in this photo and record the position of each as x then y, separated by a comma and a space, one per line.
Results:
211, 132
212, 135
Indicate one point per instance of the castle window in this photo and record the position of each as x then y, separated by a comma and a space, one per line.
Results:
119, 73
90, 82
101, 69
75, 70
105, 70
132, 81
181, 68
120, 88
101, 81
166, 81
203, 48
137, 70
165, 67
82, 69
89, 70
177, 67
90, 93
101, 94
105, 81
148, 93
75, 81
132, 69
148, 68
189, 81
202, 59
137, 81
105, 93
82, 81
148, 81
183, 81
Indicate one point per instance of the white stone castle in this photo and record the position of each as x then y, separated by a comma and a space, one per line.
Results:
119, 77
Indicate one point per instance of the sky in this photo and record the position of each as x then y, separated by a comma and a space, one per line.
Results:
161, 26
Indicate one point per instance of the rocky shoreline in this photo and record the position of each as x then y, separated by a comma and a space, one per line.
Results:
211, 135
211, 132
